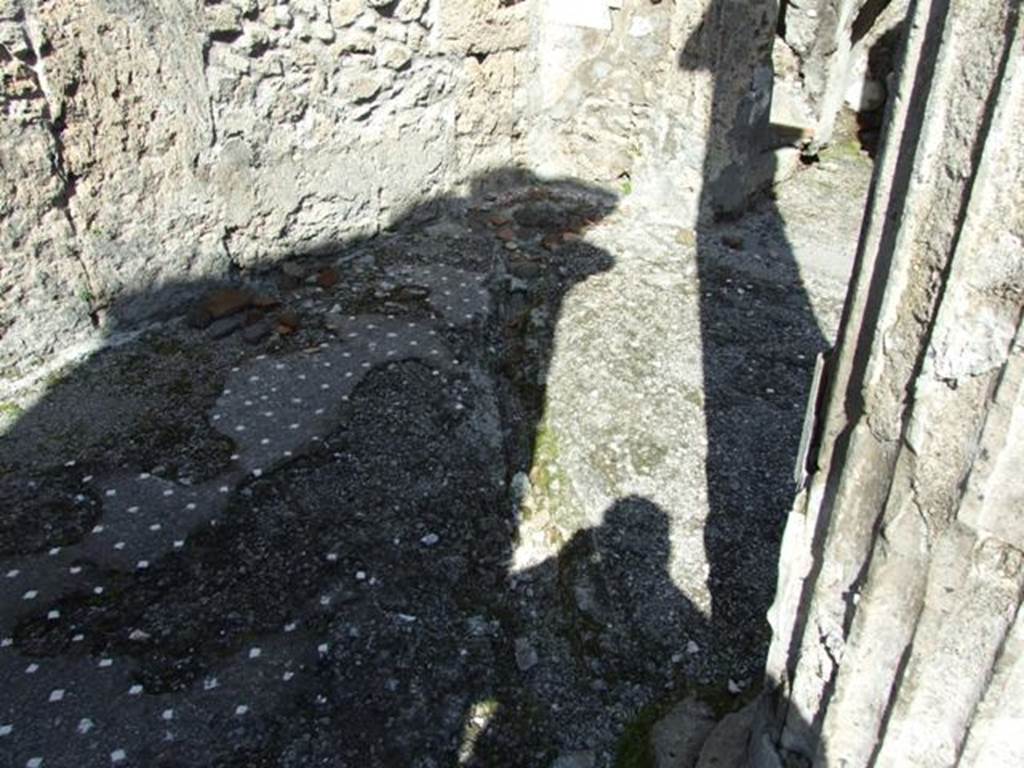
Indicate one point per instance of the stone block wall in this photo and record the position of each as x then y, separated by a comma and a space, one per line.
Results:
155, 142
898, 630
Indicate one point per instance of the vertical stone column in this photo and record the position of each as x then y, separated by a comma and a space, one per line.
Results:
818, 33
831, 41
898, 633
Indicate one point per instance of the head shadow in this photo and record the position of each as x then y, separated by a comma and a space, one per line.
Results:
628, 641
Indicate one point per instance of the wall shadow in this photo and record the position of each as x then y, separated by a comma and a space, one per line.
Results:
881, 65
759, 333
330, 499
300, 547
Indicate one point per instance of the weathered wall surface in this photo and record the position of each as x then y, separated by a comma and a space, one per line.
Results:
898, 630
157, 142
166, 140
661, 96
823, 59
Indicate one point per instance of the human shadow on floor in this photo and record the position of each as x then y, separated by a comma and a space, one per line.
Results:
607, 609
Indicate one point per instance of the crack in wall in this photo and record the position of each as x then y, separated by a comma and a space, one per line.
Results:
54, 121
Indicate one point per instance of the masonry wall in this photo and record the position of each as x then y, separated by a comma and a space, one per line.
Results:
898, 630
655, 98
153, 142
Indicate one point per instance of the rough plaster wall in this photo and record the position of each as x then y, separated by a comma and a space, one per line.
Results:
159, 141
148, 144
897, 630
41, 276
659, 95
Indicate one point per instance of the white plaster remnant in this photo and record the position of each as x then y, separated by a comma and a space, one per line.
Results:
591, 14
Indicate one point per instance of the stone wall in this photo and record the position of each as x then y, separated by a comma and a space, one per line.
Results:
653, 97
659, 98
153, 142
898, 630
823, 60
147, 145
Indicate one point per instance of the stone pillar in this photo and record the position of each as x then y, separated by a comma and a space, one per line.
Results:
831, 42
818, 33
898, 634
